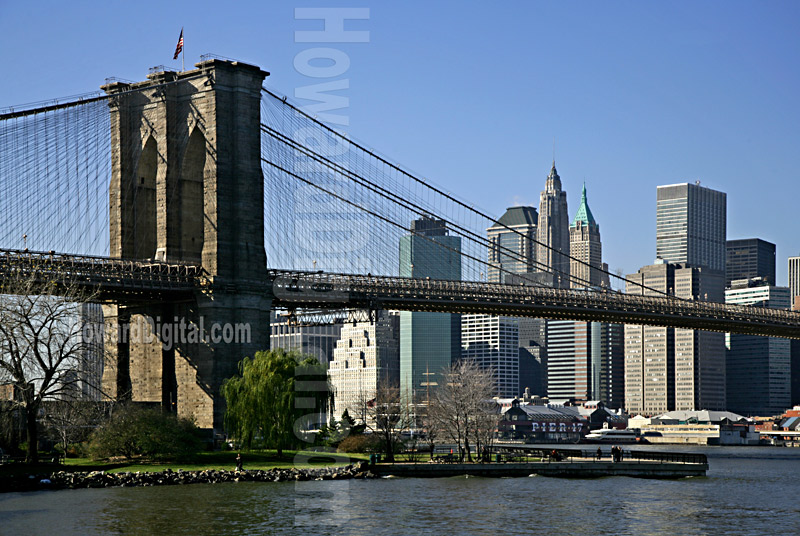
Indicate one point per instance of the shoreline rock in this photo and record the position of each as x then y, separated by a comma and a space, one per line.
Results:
100, 479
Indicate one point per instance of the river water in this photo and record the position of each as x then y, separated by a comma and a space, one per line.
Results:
748, 490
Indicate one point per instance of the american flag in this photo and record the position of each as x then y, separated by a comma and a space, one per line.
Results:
178, 48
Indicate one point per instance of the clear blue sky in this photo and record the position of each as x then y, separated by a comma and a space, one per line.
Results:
636, 94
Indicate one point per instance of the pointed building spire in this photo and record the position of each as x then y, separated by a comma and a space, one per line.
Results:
584, 215
553, 176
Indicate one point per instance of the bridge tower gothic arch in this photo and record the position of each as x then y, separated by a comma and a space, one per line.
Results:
186, 169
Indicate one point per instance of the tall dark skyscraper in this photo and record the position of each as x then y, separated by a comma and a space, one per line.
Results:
429, 342
758, 368
553, 230
512, 244
748, 259
488, 339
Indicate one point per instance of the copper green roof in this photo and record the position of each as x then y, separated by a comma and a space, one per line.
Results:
518, 216
584, 214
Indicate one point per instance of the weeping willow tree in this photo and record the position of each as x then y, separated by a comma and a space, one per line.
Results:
274, 395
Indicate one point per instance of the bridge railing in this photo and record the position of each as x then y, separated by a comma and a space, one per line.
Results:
325, 289
98, 270
529, 453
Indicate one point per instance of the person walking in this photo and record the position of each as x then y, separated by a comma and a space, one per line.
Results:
238, 462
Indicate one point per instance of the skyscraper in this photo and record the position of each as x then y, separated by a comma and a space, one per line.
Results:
750, 258
553, 231
512, 246
512, 259
650, 350
429, 342
493, 343
758, 368
673, 368
88, 374
318, 341
585, 358
794, 280
366, 354
691, 233
585, 248
585, 361
691, 225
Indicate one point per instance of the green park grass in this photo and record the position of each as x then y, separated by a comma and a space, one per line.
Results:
203, 461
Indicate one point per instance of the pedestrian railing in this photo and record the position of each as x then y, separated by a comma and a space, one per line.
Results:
510, 454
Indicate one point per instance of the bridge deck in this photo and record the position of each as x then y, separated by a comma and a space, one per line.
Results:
107, 278
322, 290
130, 280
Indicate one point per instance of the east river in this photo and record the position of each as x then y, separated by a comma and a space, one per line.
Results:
748, 490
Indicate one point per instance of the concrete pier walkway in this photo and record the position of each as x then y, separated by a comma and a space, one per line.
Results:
566, 464
568, 469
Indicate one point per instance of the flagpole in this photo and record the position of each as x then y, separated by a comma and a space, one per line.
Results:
183, 54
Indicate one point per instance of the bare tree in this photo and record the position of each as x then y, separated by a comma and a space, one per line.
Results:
386, 417
71, 420
463, 409
362, 412
432, 429
43, 349
484, 426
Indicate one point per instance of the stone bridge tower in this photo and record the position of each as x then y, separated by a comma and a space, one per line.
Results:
186, 187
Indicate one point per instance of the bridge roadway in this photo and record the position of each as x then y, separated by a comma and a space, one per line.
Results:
326, 291
104, 278
129, 281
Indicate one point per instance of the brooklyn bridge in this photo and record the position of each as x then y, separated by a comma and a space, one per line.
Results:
206, 196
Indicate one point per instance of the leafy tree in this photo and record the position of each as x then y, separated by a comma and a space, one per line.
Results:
347, 420
136, 431
360, 444
333, 433
272, 396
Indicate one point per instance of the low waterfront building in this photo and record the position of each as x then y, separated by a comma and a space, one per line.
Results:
697, 428
783, 430
540, 424
554, 422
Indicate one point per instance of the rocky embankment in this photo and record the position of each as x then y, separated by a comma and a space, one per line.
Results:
101, 479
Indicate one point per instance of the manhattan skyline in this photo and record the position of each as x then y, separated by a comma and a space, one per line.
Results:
635, 96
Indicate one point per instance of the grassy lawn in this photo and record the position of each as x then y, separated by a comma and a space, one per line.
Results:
253, 460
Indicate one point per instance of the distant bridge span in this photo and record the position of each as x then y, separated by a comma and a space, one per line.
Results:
135, 281
327, 291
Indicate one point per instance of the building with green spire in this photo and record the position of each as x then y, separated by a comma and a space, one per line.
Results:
585, 359
586, 266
